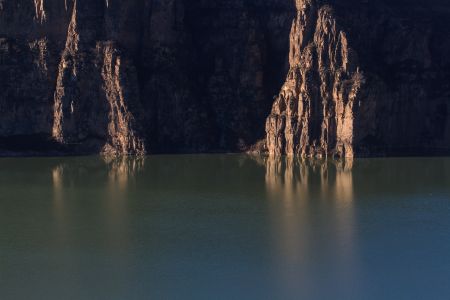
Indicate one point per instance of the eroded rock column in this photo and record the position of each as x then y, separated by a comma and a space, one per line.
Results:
313, 114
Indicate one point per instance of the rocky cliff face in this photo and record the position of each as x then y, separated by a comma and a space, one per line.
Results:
313, 115
365, 78
96, 90
150, 76
130, 77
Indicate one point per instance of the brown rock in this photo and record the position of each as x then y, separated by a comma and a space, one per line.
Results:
128, 77
313, 115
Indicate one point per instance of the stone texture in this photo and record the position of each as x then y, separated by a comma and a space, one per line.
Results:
95, 89
150, 76
313, 115
365, 78
132, 77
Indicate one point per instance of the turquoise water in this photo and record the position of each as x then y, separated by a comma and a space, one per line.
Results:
224, 227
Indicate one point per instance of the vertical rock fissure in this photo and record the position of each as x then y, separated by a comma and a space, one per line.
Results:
40, 11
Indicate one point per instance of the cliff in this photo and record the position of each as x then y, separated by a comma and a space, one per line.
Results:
365, 78
153, 76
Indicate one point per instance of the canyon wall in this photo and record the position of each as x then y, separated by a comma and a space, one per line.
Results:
365, 78
176, 76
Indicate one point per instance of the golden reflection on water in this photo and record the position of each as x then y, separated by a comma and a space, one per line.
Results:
311, 204
310, 211
91, 206
59, 209
108, 199
122, 172
344, 181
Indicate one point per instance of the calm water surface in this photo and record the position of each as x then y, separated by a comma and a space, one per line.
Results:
224, 227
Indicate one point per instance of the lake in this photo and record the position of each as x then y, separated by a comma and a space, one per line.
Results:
224, 227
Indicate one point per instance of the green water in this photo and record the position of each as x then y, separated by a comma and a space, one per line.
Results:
224, 227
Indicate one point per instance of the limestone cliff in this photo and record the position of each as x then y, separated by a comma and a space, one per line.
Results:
365, 78
95, 89
150, 76
139, 76
313, 115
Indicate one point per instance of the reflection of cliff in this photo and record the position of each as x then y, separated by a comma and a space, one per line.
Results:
59, 207
103, 186
113, 172
311, 204
123, 169
291, 177
121, 173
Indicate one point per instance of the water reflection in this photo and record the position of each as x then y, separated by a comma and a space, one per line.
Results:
122, 172
91, 206
302, 195
224, 226
59, 209
294, 178
102, 184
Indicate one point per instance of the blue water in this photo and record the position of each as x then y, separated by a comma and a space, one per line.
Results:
224, 227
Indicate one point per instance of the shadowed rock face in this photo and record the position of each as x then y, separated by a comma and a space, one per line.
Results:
96, 90
313, 115
140, 76
365, 78
150, 76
